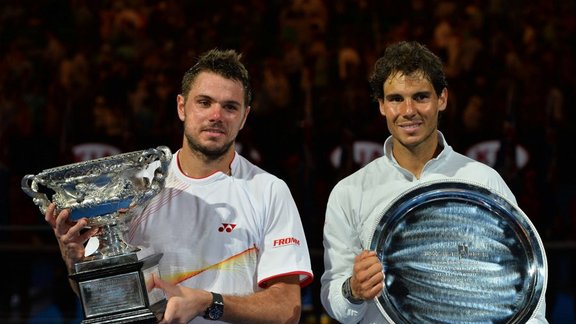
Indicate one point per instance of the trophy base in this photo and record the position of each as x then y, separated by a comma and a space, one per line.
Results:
114, 290
144, 316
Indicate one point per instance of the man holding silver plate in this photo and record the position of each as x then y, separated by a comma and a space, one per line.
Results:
424, 234
229, 234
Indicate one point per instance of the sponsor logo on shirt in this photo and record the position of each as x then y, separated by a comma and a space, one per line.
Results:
226, 227
286, 241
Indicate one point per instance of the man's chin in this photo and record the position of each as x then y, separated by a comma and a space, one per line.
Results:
410, 139
209, 148
215, 151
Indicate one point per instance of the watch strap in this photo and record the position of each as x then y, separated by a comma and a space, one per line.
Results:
216, 309
347, 292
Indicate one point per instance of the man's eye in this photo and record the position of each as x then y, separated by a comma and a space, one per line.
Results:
421, 97
204, 103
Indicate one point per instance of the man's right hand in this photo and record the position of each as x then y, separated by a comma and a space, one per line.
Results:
367, 279
70, 235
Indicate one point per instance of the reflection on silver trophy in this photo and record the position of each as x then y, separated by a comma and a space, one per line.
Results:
457, 252
108, 192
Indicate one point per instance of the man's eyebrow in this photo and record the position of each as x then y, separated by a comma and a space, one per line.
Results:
225, 102
232, 102
202, 96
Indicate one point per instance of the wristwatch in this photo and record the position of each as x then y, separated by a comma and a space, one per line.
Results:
347, 292
215, 311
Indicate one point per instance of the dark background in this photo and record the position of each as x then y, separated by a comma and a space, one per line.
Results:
74, 72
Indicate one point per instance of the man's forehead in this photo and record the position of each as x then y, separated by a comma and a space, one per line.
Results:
210, 80
416, 76
210, 85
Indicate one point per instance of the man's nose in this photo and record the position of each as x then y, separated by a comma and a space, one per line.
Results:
408, 107
216, 111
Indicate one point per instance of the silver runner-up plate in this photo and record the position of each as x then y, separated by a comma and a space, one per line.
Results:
457, 252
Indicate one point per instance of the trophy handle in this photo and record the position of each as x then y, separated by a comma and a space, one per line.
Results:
30, 187
165, 158
163, 155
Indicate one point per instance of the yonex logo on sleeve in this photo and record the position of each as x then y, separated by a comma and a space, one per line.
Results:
286, 241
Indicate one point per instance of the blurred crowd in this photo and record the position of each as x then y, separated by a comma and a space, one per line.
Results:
79, 71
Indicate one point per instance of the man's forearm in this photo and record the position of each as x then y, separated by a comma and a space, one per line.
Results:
279, 303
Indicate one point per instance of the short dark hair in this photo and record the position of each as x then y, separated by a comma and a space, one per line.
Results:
222, 62
407, 57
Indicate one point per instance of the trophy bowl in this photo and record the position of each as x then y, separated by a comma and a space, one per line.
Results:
455, 252
112, 281
104, 191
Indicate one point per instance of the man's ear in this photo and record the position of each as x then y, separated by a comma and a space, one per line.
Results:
443, 100
180, 105
381, 106
245, 116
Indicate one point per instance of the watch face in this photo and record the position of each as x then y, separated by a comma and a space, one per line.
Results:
215, 312
458, 252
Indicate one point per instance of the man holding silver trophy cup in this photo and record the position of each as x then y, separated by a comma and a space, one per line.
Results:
424, 234
224, 236
103, 195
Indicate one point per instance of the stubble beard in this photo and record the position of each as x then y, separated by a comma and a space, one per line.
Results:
209, 154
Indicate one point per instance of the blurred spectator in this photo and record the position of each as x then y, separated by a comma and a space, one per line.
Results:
82, 71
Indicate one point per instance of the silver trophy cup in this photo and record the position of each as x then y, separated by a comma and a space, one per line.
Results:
108, 192
456, 252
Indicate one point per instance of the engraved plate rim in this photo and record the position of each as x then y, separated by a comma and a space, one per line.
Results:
138, 303
458, 190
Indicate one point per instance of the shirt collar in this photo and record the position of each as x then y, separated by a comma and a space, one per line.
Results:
389, 143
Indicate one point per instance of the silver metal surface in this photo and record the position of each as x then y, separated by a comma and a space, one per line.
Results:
106, 191
456, 252
111, 261
112, 294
